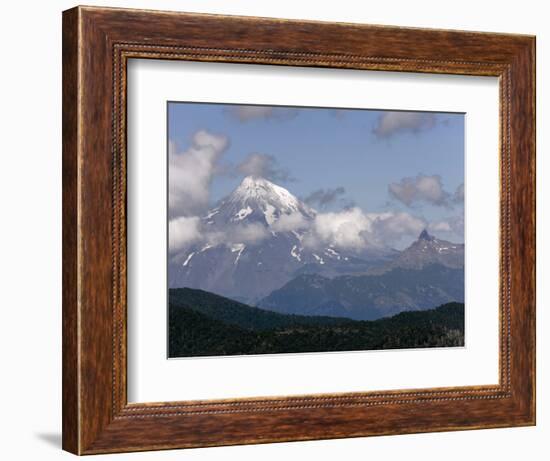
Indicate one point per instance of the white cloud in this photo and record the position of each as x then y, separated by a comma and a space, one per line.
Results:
454, 226
245, 113
344, 229
265, 166
391, 123
182, 232
391, 227
290, 222
190, 173
421, 188
440, 226
354, 229
247, 233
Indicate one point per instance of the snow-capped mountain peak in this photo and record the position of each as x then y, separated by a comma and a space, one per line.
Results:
257, 199
256, 243
259, 191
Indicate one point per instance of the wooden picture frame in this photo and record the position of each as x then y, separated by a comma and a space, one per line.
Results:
97, 43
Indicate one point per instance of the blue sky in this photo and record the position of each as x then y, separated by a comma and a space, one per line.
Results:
379, 161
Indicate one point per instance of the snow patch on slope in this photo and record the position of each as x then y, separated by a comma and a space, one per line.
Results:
295, 253
243, 213
188, 258
332, 254
239, 248
214, 212
269, 213
319, 259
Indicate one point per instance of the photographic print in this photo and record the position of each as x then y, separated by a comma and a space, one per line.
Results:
311, 229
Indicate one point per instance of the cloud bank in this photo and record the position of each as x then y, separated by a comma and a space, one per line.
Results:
182, 232
347, 229
353, 229
453, 226
189, 176
290, 222
247, 233
191, 172
391, 227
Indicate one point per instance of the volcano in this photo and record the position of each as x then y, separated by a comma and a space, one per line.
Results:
256, 245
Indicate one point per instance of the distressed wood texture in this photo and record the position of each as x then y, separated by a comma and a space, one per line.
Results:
97, 42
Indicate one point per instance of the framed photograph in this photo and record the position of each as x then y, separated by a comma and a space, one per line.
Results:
284, 230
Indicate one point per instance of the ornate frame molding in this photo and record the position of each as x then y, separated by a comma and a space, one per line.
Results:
98, 43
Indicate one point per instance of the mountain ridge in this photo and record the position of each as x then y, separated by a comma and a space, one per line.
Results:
368, 297
426, 250
262, 248
257, 246
196, 329
240, 314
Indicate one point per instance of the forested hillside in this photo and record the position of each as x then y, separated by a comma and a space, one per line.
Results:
204, 324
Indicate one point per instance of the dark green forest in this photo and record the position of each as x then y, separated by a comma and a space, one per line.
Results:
205, 324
